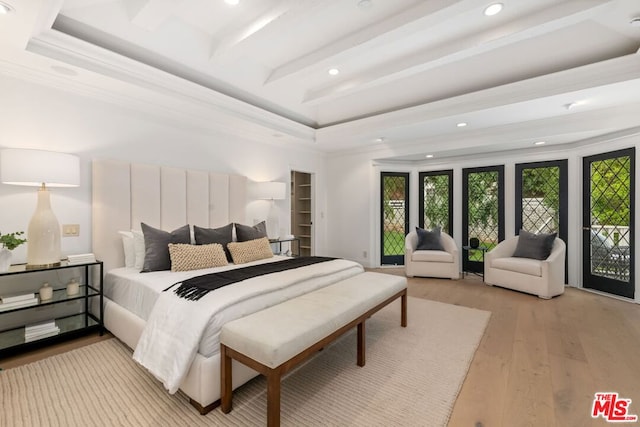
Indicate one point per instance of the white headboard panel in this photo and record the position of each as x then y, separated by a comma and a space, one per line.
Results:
126, 194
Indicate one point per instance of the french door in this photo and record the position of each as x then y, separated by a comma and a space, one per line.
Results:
436, 197
394, 216
542, 198
608, 222
482, 212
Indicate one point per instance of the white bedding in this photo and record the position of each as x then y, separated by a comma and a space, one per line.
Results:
176, 326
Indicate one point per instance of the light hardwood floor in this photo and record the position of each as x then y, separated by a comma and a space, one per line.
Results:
540, 361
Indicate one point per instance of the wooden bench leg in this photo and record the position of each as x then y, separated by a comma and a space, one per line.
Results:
403, 310
273, 398
361, 344
226, 391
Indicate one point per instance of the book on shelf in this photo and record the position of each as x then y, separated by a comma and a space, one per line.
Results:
49, 324
81, 259
17, 297
18, 304
33, 337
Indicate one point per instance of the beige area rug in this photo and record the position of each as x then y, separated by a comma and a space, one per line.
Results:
412, 378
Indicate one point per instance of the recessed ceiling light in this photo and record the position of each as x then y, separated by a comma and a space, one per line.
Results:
429, 156
573, 104
334, 71
539, 142
461, 124
635, 22
232, 2
381, 139
5, 8
493, 9
365, 4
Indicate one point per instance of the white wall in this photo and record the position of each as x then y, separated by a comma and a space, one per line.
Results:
42, 118
354, 197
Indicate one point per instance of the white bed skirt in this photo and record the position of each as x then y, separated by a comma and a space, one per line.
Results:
202, 383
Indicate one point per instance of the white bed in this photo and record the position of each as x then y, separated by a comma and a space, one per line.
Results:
126, 194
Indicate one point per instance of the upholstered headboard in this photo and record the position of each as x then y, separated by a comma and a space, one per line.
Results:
125, 194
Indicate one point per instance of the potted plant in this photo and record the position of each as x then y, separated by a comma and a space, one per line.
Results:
9, 242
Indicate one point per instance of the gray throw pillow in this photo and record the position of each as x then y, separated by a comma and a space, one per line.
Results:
535, 246
429, 240
244, 233
156, 244
222, 235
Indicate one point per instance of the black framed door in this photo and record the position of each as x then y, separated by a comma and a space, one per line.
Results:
542, 201
394, 216
482, 212
608, 222
436, 200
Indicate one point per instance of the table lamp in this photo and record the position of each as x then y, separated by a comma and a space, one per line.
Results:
41, 169
271, 191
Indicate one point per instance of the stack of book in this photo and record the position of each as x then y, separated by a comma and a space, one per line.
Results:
40, 330
16, 301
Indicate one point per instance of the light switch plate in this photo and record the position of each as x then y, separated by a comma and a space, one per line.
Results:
70, 230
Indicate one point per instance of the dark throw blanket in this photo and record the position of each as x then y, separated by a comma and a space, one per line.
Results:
196, 287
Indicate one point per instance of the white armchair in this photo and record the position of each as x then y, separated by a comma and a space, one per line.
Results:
430, 263
544, 278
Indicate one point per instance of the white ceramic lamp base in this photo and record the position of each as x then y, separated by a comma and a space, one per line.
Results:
43, 235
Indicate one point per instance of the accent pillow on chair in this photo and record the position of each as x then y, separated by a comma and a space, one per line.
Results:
429, 240
535, 246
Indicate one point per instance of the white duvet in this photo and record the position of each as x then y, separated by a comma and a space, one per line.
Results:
176, 326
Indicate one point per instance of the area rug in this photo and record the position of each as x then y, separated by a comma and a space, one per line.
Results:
412, 377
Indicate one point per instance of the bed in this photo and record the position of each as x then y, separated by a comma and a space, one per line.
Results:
124, 195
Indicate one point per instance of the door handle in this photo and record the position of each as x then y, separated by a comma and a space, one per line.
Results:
586, 228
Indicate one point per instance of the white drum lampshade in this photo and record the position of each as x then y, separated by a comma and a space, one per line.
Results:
271, 191
41, 169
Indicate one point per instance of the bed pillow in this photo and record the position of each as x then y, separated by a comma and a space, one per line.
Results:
429, 240
251, 250
186, 257
128, 247
535, 246
245, 233
138, 248
156, 246
222, 235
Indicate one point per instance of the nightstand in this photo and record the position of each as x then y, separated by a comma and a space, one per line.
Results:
279, 243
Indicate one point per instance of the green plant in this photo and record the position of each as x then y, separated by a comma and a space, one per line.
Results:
11, 240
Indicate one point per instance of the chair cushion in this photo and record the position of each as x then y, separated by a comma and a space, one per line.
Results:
536, 246
532, 267
429, 240
432, 256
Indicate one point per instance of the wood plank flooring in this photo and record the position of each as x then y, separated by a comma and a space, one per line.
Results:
540, 361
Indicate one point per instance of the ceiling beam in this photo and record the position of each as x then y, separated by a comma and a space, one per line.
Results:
546, 21
150, 14
424, 14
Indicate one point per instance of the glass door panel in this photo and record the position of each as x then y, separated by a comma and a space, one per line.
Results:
394, 214
608, 222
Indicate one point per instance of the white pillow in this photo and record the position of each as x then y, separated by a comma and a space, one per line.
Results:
138, 248
128, 246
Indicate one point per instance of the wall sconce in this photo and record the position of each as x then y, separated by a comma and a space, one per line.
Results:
41, 169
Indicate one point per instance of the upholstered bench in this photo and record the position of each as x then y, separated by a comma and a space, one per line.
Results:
275, 340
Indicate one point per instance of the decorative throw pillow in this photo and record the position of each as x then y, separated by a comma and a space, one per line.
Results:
536, 246
245, 233
156, 246
429, 240
138, 249
222, 235
251, 250
185, 257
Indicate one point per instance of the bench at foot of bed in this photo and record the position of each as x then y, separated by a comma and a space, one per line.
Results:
275, 340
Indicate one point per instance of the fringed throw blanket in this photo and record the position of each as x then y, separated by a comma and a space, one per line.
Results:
196, 287
173, 331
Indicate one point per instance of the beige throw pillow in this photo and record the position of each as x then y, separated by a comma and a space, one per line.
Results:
251, 250
185, 257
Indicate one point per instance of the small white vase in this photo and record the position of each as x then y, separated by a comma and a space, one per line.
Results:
5, 260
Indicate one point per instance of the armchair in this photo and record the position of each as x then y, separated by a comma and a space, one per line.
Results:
431, 263
544, 278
